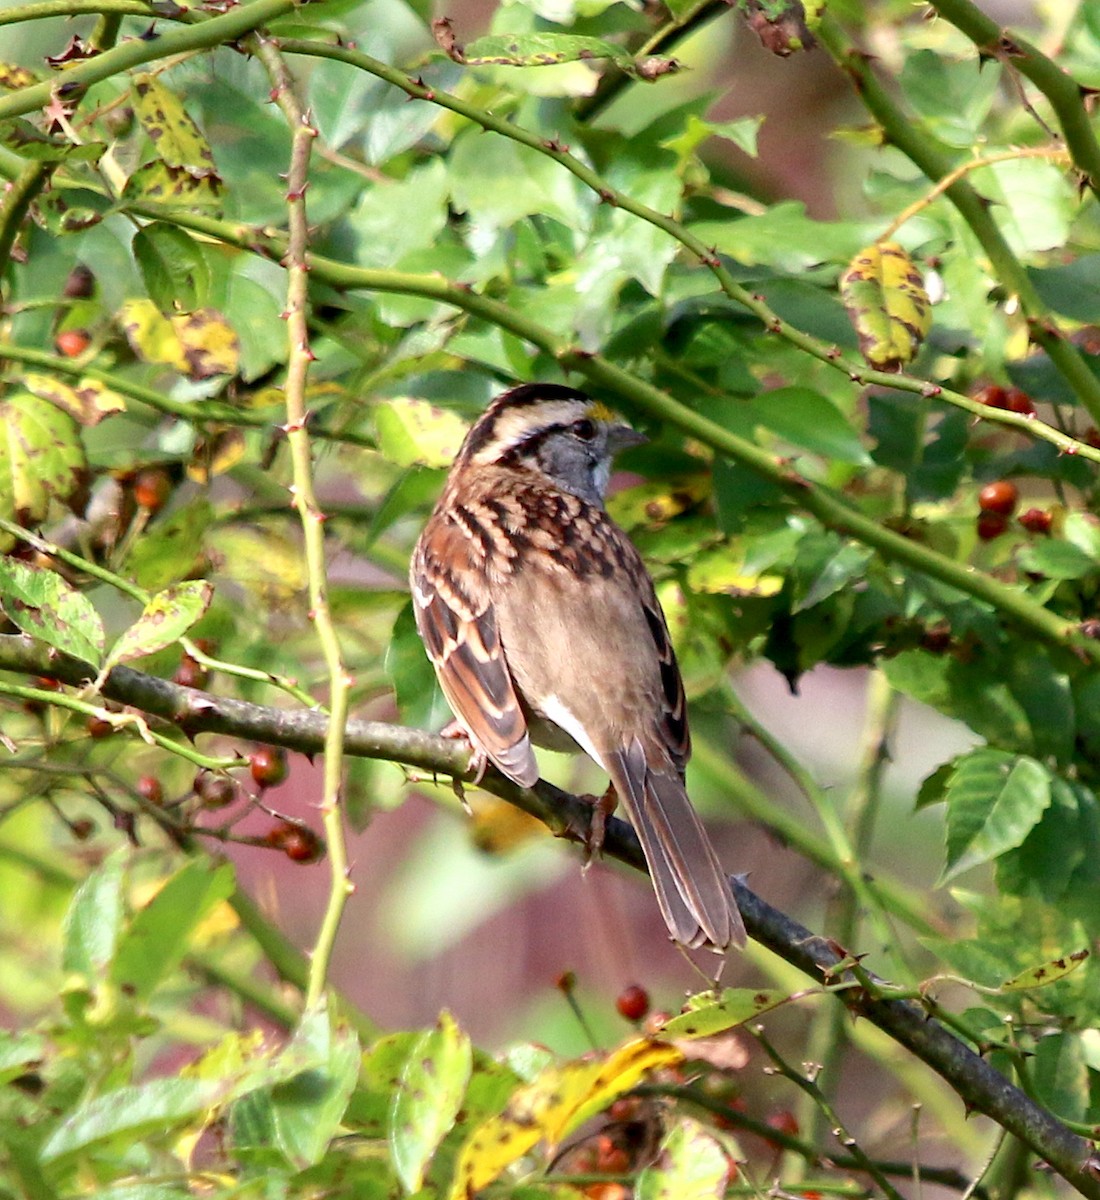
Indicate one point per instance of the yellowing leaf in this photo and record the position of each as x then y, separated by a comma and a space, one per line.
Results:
722, 570
150, 334
41, 457
176, 136
13, 77
209, 345
174, 187
553, 1104
657, 501
884, 294
499, 827
709, 1013
201, 344
216, 454
267, 565
89, 401
1049, 972
416, 433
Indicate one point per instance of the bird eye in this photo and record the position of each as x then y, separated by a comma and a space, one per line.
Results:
584, 429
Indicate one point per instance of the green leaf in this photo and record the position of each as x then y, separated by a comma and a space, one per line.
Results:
307, 1110
549, 49
172, 548
132, 1113
163, 621
691, 1164
428, 1099
19, 1052
1055, 559
994, 800
158, 935
47, 609
379, 1079
411, 673
808, 419
41, 458
395, 217
173, 266
92, 924
498, 182
1060, 1075
30, 142
708, 1014
952, 95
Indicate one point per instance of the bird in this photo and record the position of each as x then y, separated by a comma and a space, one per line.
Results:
544, 628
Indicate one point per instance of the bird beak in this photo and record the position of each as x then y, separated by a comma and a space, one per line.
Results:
622, 437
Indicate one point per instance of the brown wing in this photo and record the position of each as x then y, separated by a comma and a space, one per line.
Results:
674, 725
458, 626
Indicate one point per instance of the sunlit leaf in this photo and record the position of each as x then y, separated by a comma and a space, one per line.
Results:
691, 1164
428, 1097
49, 610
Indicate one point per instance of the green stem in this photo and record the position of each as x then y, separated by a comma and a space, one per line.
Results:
1065, 94
917, 144
76, 8
205, 36
17, 201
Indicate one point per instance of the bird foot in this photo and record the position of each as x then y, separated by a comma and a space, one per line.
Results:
479, 760
592, 837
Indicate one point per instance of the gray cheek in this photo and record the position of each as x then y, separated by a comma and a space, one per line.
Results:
601, 476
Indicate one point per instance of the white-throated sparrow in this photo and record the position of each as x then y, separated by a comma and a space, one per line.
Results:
543, 626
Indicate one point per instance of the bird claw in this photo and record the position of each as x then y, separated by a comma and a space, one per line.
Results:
592, 837
479, 760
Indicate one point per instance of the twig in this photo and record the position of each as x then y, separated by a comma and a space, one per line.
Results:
312, 518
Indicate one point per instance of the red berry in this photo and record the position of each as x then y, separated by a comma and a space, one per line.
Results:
190, 673
999, 497
991, 525
610, 1158
214, 791
633, 1002
1018, 401
626, 1108
1036, 520
268, 765
992, 395
71, 343
80, 283
783, 1121
99, 727
152, 487
149, 788
298, 842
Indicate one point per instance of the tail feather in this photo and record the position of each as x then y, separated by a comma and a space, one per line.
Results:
692, 890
